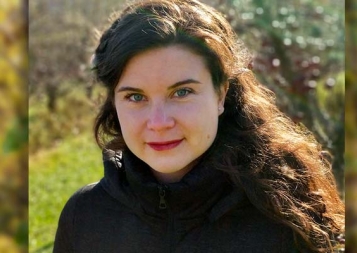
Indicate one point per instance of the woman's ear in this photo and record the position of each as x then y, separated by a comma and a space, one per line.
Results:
222, 97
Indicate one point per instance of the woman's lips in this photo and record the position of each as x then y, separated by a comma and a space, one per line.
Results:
161, 146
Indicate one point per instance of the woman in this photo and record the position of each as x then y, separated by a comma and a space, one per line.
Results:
197, 156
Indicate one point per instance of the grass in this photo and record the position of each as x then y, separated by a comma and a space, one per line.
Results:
63, 158
54, 176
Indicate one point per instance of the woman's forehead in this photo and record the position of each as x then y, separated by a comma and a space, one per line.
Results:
169, 64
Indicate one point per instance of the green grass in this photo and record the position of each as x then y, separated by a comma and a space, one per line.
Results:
54, 176
63, 158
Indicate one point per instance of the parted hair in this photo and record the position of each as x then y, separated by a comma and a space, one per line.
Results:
278, 164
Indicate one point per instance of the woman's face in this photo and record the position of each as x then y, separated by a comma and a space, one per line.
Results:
168, 109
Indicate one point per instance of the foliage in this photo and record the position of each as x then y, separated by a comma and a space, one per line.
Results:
75, 113
13, 128
62, 35
54, 54
351, 125
299, 54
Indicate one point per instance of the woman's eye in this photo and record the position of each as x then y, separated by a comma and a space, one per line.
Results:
182, 92
135, 97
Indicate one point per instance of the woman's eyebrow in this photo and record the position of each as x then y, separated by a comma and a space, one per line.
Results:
175, 85
186, 81
128, 88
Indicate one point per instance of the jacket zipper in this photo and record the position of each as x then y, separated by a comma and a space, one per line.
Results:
162, 195
170, 219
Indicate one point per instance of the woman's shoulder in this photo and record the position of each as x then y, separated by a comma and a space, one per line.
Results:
87, 194
87, 189
81, 194
87, 201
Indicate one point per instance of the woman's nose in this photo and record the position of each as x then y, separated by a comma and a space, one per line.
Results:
159, 118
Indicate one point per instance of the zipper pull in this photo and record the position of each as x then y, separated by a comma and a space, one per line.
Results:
162, 194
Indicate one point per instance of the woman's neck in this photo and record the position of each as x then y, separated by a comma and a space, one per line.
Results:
167, 178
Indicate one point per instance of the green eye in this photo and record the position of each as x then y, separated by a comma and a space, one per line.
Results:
182, 92
136, 97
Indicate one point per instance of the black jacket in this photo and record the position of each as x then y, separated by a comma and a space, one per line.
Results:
128, 211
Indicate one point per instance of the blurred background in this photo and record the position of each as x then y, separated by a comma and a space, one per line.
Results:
13, 127
299, 48
351, 125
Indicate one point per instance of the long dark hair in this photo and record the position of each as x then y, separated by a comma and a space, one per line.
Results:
278, 164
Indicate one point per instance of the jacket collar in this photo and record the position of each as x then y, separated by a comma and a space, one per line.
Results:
203, 192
